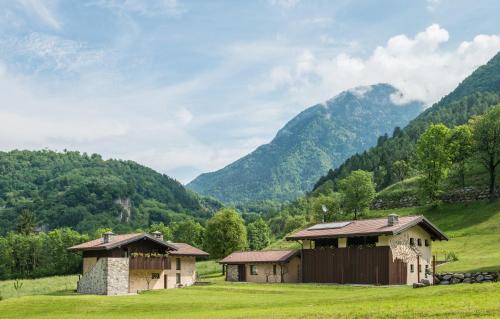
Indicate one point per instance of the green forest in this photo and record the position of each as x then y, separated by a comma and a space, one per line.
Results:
474, 96
86, 192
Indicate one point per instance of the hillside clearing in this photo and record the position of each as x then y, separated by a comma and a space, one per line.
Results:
242, 300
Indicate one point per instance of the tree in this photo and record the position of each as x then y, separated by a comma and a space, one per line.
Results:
163, 229
460, 146
434, 159
259, 234
401, 169
225, 233
26, 222
332, 204
486, 142
358, 190
189, 231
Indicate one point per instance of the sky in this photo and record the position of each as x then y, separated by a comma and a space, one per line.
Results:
186, 87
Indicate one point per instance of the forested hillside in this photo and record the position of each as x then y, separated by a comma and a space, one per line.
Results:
85, 192
320, 137
475, 95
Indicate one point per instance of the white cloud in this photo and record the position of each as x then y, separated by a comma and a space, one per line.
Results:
44, 10
52, 52
420, 66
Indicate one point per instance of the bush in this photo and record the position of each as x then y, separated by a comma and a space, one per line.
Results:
451, 256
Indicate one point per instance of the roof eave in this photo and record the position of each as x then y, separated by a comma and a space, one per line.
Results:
294, 238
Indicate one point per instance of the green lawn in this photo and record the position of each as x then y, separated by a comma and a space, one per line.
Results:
40, 286
242, 300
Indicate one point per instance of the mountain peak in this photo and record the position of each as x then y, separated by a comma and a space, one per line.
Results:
320, 137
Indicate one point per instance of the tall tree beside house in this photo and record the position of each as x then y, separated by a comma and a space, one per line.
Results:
359, 191
327, 208
460, 145
26, 222
434, 159
225, 233
259, 234
189, 232
486, 136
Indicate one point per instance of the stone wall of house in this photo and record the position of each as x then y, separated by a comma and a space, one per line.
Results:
468, 194
232, 272
469, 278
94, 281
117, 276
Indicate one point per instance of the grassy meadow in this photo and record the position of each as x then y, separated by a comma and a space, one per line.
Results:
243, 300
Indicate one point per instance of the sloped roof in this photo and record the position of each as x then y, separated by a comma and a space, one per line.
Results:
371, 227
120, 240
269, 256
187, 250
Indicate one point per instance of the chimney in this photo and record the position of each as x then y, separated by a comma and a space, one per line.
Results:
392, 219
157, 235
107, 237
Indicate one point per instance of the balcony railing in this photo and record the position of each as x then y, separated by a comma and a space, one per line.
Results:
143, 262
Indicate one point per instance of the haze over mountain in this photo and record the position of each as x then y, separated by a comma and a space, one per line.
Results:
319, 138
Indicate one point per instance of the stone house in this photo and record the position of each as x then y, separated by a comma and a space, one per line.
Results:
383, 251
273, 266
122, 264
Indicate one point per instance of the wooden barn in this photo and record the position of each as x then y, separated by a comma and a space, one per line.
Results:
382, 251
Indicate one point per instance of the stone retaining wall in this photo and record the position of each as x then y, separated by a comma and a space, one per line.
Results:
470, 278
468, 194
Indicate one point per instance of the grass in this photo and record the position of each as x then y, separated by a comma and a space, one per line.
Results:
42, 286
242, 300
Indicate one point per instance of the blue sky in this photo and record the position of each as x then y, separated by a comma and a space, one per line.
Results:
189, 86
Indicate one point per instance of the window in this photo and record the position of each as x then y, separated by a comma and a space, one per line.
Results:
426, 243
419, 242
412, 241
178, 278
274, 270
253, 270
177, 264
155, 275
412, 268
419, 268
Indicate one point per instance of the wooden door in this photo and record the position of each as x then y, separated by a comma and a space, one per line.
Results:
242, 275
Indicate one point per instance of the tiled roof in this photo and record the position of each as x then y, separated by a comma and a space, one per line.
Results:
376, 226
98, 244
187, 250
269, 256
119, 240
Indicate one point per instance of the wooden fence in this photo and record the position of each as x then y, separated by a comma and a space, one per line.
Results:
352, 265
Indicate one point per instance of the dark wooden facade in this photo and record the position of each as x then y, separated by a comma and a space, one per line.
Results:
142, 262
352, 265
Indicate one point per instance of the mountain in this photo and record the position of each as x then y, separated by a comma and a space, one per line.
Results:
85, 192
319, 138
473, 96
